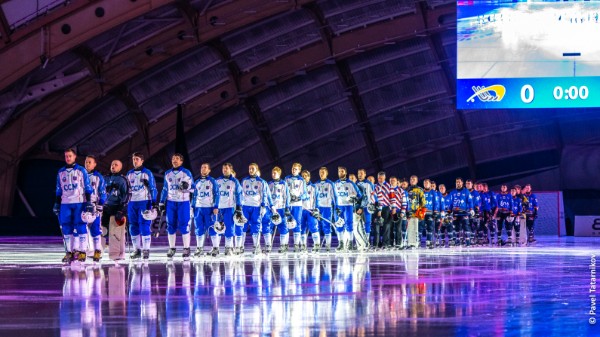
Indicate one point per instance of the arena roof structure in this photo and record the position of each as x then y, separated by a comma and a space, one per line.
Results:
364, 84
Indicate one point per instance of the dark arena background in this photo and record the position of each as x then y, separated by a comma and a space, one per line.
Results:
498, 93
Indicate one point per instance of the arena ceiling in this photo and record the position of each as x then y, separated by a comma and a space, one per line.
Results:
329, 82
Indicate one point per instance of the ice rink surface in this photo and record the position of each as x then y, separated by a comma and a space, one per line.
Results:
483, 291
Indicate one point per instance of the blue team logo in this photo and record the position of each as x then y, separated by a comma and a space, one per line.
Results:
64, 179
207, 187
247, 186
255, 187
346, 188
325, 189
170, 179
228, 187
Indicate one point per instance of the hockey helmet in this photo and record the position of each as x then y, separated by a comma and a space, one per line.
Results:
218, 224
88, 217
276, 218
239, 219
150, 214
290, 222
371, 208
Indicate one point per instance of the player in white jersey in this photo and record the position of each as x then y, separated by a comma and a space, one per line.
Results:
280, 198
143, 197
175, 198
326, 202
369, 198
98, 198
73, 195
346, 191
255, 202
308, 222
230, 199
206, 206
297, 189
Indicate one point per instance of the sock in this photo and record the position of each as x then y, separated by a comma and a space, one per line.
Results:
172, 239
296, 238
285, 239
69, 242
146, 242
256, 240
243, 239
200, 241
238, 241
186, 238
97, 245
83, 243
328, 239
268, 239
137, 243
303, 238
316, 239
229, 242
216, 240
75, 243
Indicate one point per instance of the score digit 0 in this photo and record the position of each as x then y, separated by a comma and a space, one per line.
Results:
527, 93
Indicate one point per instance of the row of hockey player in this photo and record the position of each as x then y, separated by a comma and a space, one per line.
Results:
400, 213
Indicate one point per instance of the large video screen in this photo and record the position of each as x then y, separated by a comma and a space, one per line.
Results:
528, 54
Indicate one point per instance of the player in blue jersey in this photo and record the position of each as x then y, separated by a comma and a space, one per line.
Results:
369, 199
326, 200
504, 210
73, 197
205, 203
98, 198
461, 205
531, 208
346, 192
476, 200
444, 226
230, 204
143, 198
175, 199
255, 201
432, 209
297, 190
488, 206
117, 196
280, 198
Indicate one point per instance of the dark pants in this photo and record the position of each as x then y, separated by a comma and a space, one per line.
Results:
387, 226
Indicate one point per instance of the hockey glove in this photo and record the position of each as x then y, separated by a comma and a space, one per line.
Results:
287, 212
338, 211
294, 198
472, 213
184, 185
119, 216
161, 207
99, 208
146, 182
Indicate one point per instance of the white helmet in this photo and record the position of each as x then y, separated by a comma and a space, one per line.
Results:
290, 222
340, 222
276, 218
218, 224
88, 217
150, 214
239, 219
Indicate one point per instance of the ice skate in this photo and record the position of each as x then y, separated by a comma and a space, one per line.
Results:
171, 253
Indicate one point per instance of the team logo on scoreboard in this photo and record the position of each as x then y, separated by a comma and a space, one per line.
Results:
493, 93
